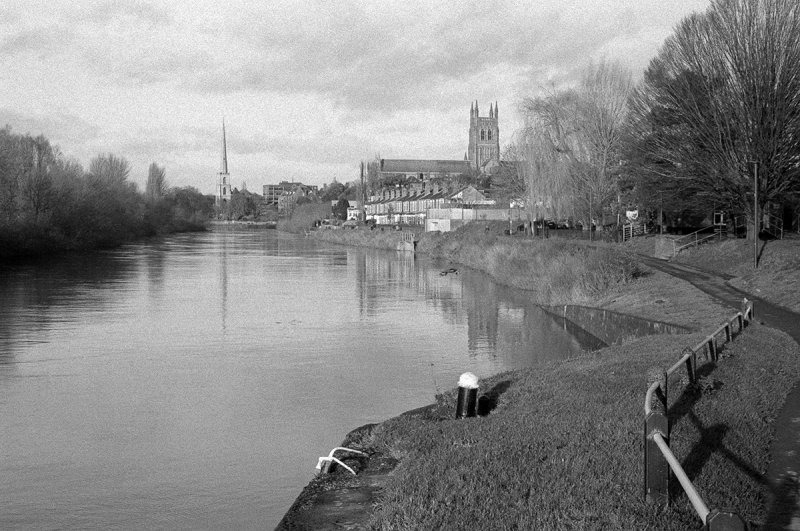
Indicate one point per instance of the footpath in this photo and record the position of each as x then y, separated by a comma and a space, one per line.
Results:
783, 475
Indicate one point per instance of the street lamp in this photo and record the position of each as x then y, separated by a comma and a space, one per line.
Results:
755, 215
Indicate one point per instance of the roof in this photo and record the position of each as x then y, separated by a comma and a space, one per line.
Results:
424, 166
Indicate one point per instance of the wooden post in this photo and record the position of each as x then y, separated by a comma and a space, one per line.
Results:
691, 365
656, 468
712, 349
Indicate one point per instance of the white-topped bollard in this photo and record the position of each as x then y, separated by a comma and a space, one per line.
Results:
467, 404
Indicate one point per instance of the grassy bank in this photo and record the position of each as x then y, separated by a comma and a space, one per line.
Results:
553, 271
777, 278
562, 448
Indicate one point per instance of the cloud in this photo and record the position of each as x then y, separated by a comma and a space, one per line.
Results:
46, 41
386, 59
52, 125
314, 86
112, 13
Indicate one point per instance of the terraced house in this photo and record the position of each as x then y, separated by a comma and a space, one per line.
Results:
425, 193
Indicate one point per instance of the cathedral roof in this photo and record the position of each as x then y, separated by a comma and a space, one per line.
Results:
424, 166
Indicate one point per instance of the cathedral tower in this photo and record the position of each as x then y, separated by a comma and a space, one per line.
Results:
484, 137
224, 185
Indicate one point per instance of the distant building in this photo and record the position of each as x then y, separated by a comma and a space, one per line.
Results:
224, 181
285, 194
273, 192
423, 170
413, 204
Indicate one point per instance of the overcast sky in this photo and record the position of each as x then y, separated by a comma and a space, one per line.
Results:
307, 89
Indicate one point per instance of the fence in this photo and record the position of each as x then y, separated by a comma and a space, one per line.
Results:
658, 457
694, 239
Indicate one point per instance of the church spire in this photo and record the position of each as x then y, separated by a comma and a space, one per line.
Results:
224, 168
491, 110
495, 109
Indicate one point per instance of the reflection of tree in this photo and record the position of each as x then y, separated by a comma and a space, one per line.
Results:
32, 294
154, 262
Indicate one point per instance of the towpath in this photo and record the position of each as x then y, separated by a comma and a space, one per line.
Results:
784, 470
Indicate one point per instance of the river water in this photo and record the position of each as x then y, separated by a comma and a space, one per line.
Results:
192, 382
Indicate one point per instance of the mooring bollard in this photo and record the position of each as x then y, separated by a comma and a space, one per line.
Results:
467, 396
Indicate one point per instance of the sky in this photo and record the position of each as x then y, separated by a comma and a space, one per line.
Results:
307, 89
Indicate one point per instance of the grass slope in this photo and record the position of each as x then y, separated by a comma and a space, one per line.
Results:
777, 278
563, 448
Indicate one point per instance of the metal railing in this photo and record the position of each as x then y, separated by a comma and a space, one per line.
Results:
772, 225
696, 238
659, 459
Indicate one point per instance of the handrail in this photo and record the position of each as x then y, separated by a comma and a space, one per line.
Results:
775, 221
697, 502
657, 423
677, 246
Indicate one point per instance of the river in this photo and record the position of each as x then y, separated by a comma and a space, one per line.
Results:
193, 381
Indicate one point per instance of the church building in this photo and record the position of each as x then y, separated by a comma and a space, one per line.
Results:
482, 155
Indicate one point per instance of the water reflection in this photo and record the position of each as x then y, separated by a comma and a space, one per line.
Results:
203, 374
608, 326
48, 294
499, 320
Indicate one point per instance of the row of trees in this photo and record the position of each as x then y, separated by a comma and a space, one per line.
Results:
718, 105
48, 202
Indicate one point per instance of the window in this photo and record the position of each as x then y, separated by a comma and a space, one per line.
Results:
483, 134
490, 134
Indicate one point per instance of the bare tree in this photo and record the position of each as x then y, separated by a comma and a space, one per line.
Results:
374, 175
722, 98
573, 141
110, 169
156, 186
509, 182
37, 183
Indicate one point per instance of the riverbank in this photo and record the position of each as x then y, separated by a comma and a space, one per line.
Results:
562, 446
552, 271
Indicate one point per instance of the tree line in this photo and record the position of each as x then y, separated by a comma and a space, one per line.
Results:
715, 116
50, 203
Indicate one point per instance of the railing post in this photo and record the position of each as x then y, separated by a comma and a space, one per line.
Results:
691, 365
728, 332
712, 348
656, 468
724, 521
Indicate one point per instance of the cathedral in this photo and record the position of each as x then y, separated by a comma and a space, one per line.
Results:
482, 155
484, 139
